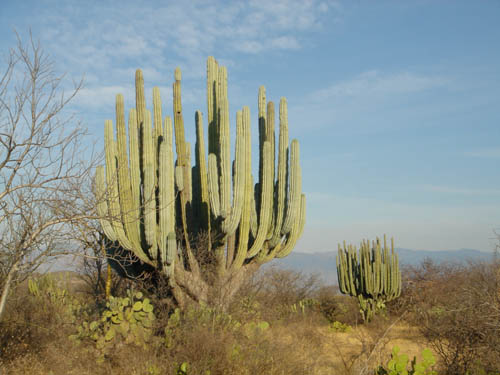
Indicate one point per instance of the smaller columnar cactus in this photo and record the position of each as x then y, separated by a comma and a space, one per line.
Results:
373, 277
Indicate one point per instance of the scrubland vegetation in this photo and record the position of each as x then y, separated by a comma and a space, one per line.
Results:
187, 243
281, 322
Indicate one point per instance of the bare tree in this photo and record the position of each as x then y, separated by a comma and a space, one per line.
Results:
42, 173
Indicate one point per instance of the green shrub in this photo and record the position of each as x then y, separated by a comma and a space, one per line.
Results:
398, 364
128, 319
340, 327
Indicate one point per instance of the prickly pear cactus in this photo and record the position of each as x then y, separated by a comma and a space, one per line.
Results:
398, 364
128, 320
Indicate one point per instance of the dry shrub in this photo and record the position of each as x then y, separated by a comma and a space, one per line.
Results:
457, 309
29, 326
272, 293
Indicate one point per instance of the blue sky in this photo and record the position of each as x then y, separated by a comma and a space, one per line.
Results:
395, 103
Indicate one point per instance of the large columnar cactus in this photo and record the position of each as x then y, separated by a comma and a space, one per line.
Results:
373, 275
208, 226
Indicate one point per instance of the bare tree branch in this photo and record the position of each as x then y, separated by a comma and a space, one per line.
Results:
44, 181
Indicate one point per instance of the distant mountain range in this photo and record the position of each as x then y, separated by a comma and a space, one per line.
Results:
324, 263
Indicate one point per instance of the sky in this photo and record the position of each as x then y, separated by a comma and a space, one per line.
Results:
395, 103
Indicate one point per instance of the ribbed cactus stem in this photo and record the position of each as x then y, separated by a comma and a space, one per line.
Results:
166, 195
157, 127
244, 228
168, 160
297, 229
112, 183
148, 163
212, 85
213, 185
230, 224
266, 196
282, 181
295, 189
140, 99
171, 255
135, 168
204, 209
374, 279
225, 145
188, 175
127, 205
179, 178
102, 204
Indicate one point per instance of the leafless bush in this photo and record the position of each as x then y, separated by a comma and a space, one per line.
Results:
457, 308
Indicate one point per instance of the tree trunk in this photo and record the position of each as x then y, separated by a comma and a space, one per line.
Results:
6, 288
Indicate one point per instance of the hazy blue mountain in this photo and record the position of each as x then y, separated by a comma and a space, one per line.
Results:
324, 263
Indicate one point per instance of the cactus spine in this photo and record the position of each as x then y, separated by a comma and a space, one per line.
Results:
373, 277
157, 208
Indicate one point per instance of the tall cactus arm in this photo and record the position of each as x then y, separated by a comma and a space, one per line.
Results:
282, 181
262, 129
204, 209
112, 185
166, 201
266, 196
135, 168
253, 213
149, 185
181, 159
157, 132
225, 145
212, 84
213, 185
188, 175
130, 218
168, 160
140, 99
295, 188
230, 224
102, 204
179, 178
297, 229
244, 228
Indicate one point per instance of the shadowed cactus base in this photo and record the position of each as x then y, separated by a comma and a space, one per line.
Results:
373, 275
204, 226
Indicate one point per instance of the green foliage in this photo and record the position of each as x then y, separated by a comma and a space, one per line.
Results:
129, 319
340, 327
183, 369
398, 364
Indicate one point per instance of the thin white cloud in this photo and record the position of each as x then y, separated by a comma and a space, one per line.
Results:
486, 153
154, 36
374, 83
458, 190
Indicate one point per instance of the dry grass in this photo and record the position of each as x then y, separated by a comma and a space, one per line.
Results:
34, 337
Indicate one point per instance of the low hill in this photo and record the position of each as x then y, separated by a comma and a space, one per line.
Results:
324, 263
